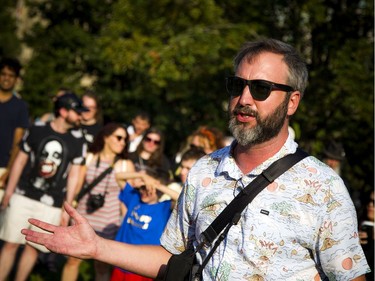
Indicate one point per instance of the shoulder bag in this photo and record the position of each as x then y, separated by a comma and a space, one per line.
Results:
95, 201
183, 267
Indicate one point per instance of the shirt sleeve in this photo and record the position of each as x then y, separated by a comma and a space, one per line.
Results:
127, 194
80, 154
180, 229
27, 139
340, 254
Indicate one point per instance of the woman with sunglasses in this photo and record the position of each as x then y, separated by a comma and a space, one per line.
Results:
109, 148
302, 226
92, 120
150, 153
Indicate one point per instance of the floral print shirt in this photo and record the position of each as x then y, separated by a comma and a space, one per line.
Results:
303, 226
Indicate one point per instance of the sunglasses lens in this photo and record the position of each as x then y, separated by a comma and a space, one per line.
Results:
120, 138
260, 90
235, 86
147, 139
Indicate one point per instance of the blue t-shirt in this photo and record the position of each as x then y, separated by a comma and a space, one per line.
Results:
144, 223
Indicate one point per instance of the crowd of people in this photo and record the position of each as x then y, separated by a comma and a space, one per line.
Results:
107, 192
59, 157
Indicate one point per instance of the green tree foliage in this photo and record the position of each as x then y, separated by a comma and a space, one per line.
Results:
171, 62
171, 57
10, 45
339, 102
63, 42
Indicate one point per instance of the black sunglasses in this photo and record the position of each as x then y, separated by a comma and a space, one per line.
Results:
260, 90
120, 138
147, 139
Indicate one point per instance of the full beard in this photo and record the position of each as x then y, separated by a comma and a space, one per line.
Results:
266, 128
73, 124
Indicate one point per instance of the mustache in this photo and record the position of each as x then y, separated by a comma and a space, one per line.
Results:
244, 110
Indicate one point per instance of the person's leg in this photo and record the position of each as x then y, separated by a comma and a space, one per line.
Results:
26, 263
71, 269
14, 219
102, 271
7, 258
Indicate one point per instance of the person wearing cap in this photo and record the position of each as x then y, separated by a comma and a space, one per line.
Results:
43, 176
334, 154
49, 116
302, 226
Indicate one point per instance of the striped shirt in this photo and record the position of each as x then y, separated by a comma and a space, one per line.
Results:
105, 220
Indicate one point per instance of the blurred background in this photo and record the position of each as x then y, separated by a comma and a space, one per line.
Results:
171, 58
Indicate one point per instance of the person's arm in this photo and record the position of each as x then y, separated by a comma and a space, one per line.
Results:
71, 185
123, 177
81, 180
18, 134
166, 190
82, 174
79, 240
15, 174
46, 117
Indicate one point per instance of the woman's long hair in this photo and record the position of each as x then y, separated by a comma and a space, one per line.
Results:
98, 144
156, 159
95, 97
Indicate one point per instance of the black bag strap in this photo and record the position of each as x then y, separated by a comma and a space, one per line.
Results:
238, 204
232, 213
98, 179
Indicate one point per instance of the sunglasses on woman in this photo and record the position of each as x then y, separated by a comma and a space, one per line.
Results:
260, 90
147, 139
120, 138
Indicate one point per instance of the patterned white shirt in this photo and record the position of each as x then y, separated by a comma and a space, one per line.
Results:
307, 212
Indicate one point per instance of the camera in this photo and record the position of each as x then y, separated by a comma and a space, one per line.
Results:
95, 202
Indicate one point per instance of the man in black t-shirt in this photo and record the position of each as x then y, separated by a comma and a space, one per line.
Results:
14, 117
44, 175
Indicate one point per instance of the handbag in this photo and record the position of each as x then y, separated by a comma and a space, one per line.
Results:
95, 201
183, 266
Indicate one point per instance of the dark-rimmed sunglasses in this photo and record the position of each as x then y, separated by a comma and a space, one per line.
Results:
260, 90
120, 138
147, 139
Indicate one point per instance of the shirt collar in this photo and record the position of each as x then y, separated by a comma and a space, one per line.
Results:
227, 163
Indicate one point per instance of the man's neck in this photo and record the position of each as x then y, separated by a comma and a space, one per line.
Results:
59, 125
5, 95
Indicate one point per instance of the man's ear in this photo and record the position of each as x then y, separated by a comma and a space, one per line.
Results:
294, 100
63, 112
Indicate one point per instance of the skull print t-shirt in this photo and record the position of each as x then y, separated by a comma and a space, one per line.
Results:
44, 177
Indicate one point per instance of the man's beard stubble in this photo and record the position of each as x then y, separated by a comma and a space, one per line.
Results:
265, 129
73, 124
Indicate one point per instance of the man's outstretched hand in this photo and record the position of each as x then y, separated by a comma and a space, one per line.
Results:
78, 240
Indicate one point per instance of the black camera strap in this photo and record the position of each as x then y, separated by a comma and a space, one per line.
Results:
232, 213
98, 179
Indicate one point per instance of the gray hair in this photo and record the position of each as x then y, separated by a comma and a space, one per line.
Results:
298, 74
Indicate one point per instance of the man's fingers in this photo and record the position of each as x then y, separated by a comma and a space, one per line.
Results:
43, 225
74, 214
40, 238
